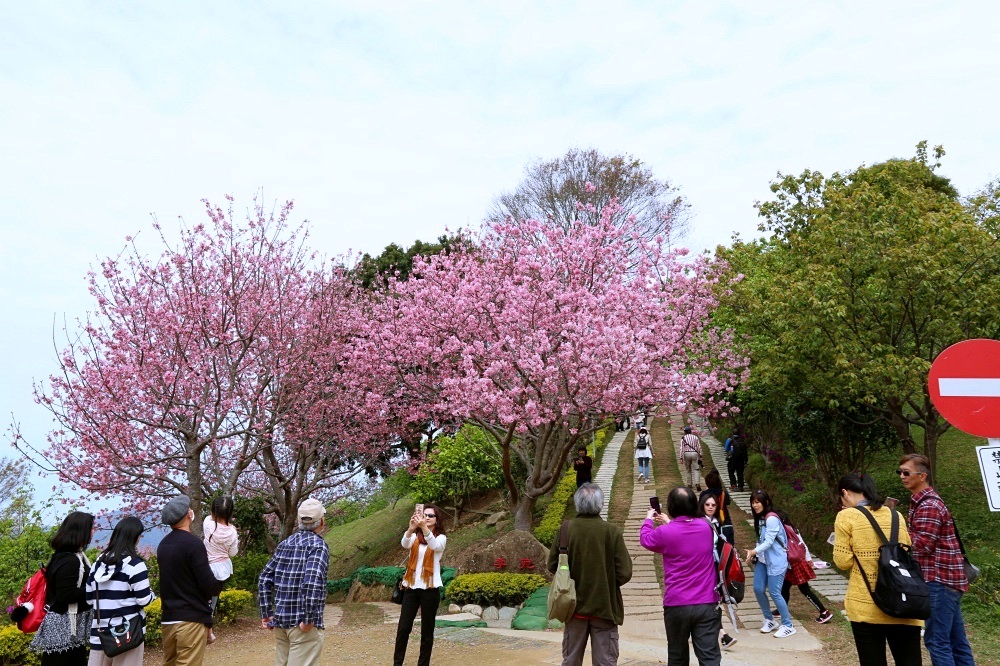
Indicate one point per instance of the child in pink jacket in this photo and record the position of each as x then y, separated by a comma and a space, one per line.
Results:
221, 542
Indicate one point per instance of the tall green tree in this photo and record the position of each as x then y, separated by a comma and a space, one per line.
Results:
866, 277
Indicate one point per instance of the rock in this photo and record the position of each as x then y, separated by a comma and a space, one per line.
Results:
495, 518
491, 613
506, 613
473, 608
512, 547
454, 608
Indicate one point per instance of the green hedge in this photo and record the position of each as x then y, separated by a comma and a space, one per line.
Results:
494, 589
14, 648
564, 490
246, 570
387, 576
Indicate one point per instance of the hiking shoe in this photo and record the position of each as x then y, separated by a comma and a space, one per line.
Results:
824, 617
732, 486
768, 626
727, 641
784, 632
775, 613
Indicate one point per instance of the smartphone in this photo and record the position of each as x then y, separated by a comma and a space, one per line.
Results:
418, 511
891, 502
654, 502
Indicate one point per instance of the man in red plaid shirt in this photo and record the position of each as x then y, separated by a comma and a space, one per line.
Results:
936, 549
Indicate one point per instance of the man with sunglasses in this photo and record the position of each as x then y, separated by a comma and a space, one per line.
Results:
936, 549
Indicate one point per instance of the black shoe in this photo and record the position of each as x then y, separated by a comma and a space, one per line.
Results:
727, 641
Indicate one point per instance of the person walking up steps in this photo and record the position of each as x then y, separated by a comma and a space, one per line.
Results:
643, 453
688, 454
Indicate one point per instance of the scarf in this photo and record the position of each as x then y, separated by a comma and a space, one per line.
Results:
427, 573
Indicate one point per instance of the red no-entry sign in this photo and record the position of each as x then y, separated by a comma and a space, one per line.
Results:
964, 384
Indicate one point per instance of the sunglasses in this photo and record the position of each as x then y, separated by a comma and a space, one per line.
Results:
429, 515
906, 472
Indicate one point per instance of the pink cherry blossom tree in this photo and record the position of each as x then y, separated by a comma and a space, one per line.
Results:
536, 331
218, 366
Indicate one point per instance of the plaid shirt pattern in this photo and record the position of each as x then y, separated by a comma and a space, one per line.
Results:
292, 586
935, 546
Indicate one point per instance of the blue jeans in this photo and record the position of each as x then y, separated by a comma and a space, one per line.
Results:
644, 466
763, 585
944, 631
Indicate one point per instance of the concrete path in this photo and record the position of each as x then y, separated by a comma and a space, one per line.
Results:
609, 467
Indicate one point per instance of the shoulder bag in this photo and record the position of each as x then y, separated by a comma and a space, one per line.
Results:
120, 637
562, 594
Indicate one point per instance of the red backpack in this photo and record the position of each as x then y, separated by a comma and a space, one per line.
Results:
732, 580
29, 607
794, 545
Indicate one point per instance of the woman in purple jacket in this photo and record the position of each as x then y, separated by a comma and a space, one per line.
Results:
687, 544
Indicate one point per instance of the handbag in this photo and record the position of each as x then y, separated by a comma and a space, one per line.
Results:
397, 592
121, 637
971, 570
60, 632
562, 595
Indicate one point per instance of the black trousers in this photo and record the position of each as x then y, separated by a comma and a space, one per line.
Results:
700, 623
871, 639
427, 601
808, 592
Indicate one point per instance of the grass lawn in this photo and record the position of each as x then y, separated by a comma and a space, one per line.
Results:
360, 542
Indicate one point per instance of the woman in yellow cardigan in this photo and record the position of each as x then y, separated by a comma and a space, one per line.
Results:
856, 541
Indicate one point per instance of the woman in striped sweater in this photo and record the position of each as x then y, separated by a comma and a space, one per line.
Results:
118, 588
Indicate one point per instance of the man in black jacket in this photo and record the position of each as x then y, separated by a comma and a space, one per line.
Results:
186, 585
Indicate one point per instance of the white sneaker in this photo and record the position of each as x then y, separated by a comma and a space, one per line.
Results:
784, 632
768, 626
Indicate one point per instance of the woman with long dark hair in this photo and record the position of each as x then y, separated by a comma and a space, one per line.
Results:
62, 637
118, 589
713, 487
770, 560
425, 540
856, 547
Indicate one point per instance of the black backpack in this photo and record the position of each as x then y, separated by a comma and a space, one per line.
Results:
642, 442
900, 590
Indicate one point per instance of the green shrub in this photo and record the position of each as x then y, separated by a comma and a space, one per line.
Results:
548, 526
153, 569
246, 570
458, 466
233, 604
14, 648
494, 589
387, 576
154, 614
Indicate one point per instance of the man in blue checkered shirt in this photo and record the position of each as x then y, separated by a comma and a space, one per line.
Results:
291, 590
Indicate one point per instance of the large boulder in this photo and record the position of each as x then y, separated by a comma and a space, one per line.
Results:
512, 547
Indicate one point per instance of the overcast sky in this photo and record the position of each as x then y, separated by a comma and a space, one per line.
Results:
392, 121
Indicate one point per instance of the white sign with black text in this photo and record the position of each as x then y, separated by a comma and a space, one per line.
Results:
989, 463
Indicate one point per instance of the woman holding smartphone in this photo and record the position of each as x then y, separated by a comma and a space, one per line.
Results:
425, 539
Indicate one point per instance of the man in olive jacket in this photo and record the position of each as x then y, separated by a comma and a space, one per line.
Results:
599, 564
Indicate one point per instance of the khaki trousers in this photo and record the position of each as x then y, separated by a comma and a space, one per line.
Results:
184, 643
298, 648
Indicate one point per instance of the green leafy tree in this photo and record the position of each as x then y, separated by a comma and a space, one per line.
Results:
24, 546
865, 279
459, 466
